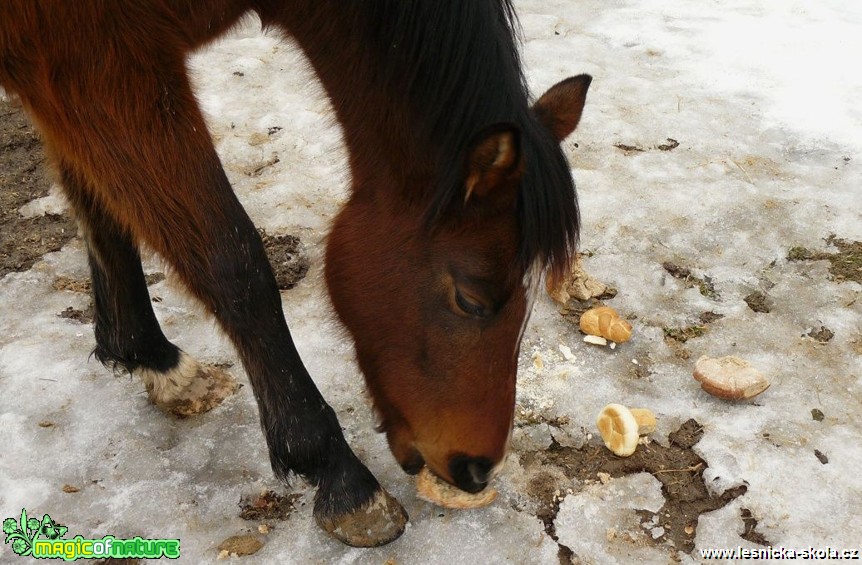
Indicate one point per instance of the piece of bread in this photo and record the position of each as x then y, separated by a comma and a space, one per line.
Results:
730, 378
441, 493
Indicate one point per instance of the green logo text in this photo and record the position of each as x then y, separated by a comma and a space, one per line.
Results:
42, 539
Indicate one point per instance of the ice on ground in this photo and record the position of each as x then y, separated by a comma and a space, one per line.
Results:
762, 98
600, 524
53, 203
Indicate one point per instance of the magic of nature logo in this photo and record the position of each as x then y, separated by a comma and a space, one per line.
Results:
43, 539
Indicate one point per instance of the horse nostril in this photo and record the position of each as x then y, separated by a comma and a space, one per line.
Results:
470, 473
479, 476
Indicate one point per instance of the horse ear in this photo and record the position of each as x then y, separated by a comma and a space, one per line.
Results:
560, 108
493, 159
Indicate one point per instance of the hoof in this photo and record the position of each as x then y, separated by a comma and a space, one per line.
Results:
378, 522
209, 389
190, 389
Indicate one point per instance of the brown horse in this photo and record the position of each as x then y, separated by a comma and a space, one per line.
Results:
460, 198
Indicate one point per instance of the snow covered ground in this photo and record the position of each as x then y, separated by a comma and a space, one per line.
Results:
763, 98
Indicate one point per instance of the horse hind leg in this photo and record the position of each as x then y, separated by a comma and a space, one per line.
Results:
128, 335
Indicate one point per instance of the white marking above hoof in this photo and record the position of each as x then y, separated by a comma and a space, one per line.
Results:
169, 386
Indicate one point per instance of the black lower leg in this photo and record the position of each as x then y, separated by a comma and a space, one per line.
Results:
302, 430
127, 332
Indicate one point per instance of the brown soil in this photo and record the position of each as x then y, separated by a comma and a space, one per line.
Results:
287, 258
268, 505
677, 467
676, 337
669, 145
704, 284
749, 525
574, 309
682, 335
759, 302
24, 177
81, 316
823, 335
845, 264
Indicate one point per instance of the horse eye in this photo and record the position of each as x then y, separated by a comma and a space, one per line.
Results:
469, 306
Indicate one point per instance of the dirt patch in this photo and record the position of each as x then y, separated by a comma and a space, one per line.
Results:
749, 528
823, 335
289, 261
72, 285
154, 278
574, 309
669, 145
707, 318
677, 468
24, 177
525, 418
81, 316
676, 337
759, 302
268, 505
845, 264
682, 335
703, 284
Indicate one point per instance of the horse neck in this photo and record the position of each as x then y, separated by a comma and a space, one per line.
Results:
410, 82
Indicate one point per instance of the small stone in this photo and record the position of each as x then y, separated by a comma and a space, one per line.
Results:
605, 478
46, 424
816, 415
70, 489
245, 544
821, 456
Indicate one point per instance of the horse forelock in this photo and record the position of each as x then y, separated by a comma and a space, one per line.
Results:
548, 212
474, 79
547, 208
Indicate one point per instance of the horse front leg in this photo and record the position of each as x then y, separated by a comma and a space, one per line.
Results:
232, 276
145, 161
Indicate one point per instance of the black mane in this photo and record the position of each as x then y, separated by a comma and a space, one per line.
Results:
456, 66
462, 71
